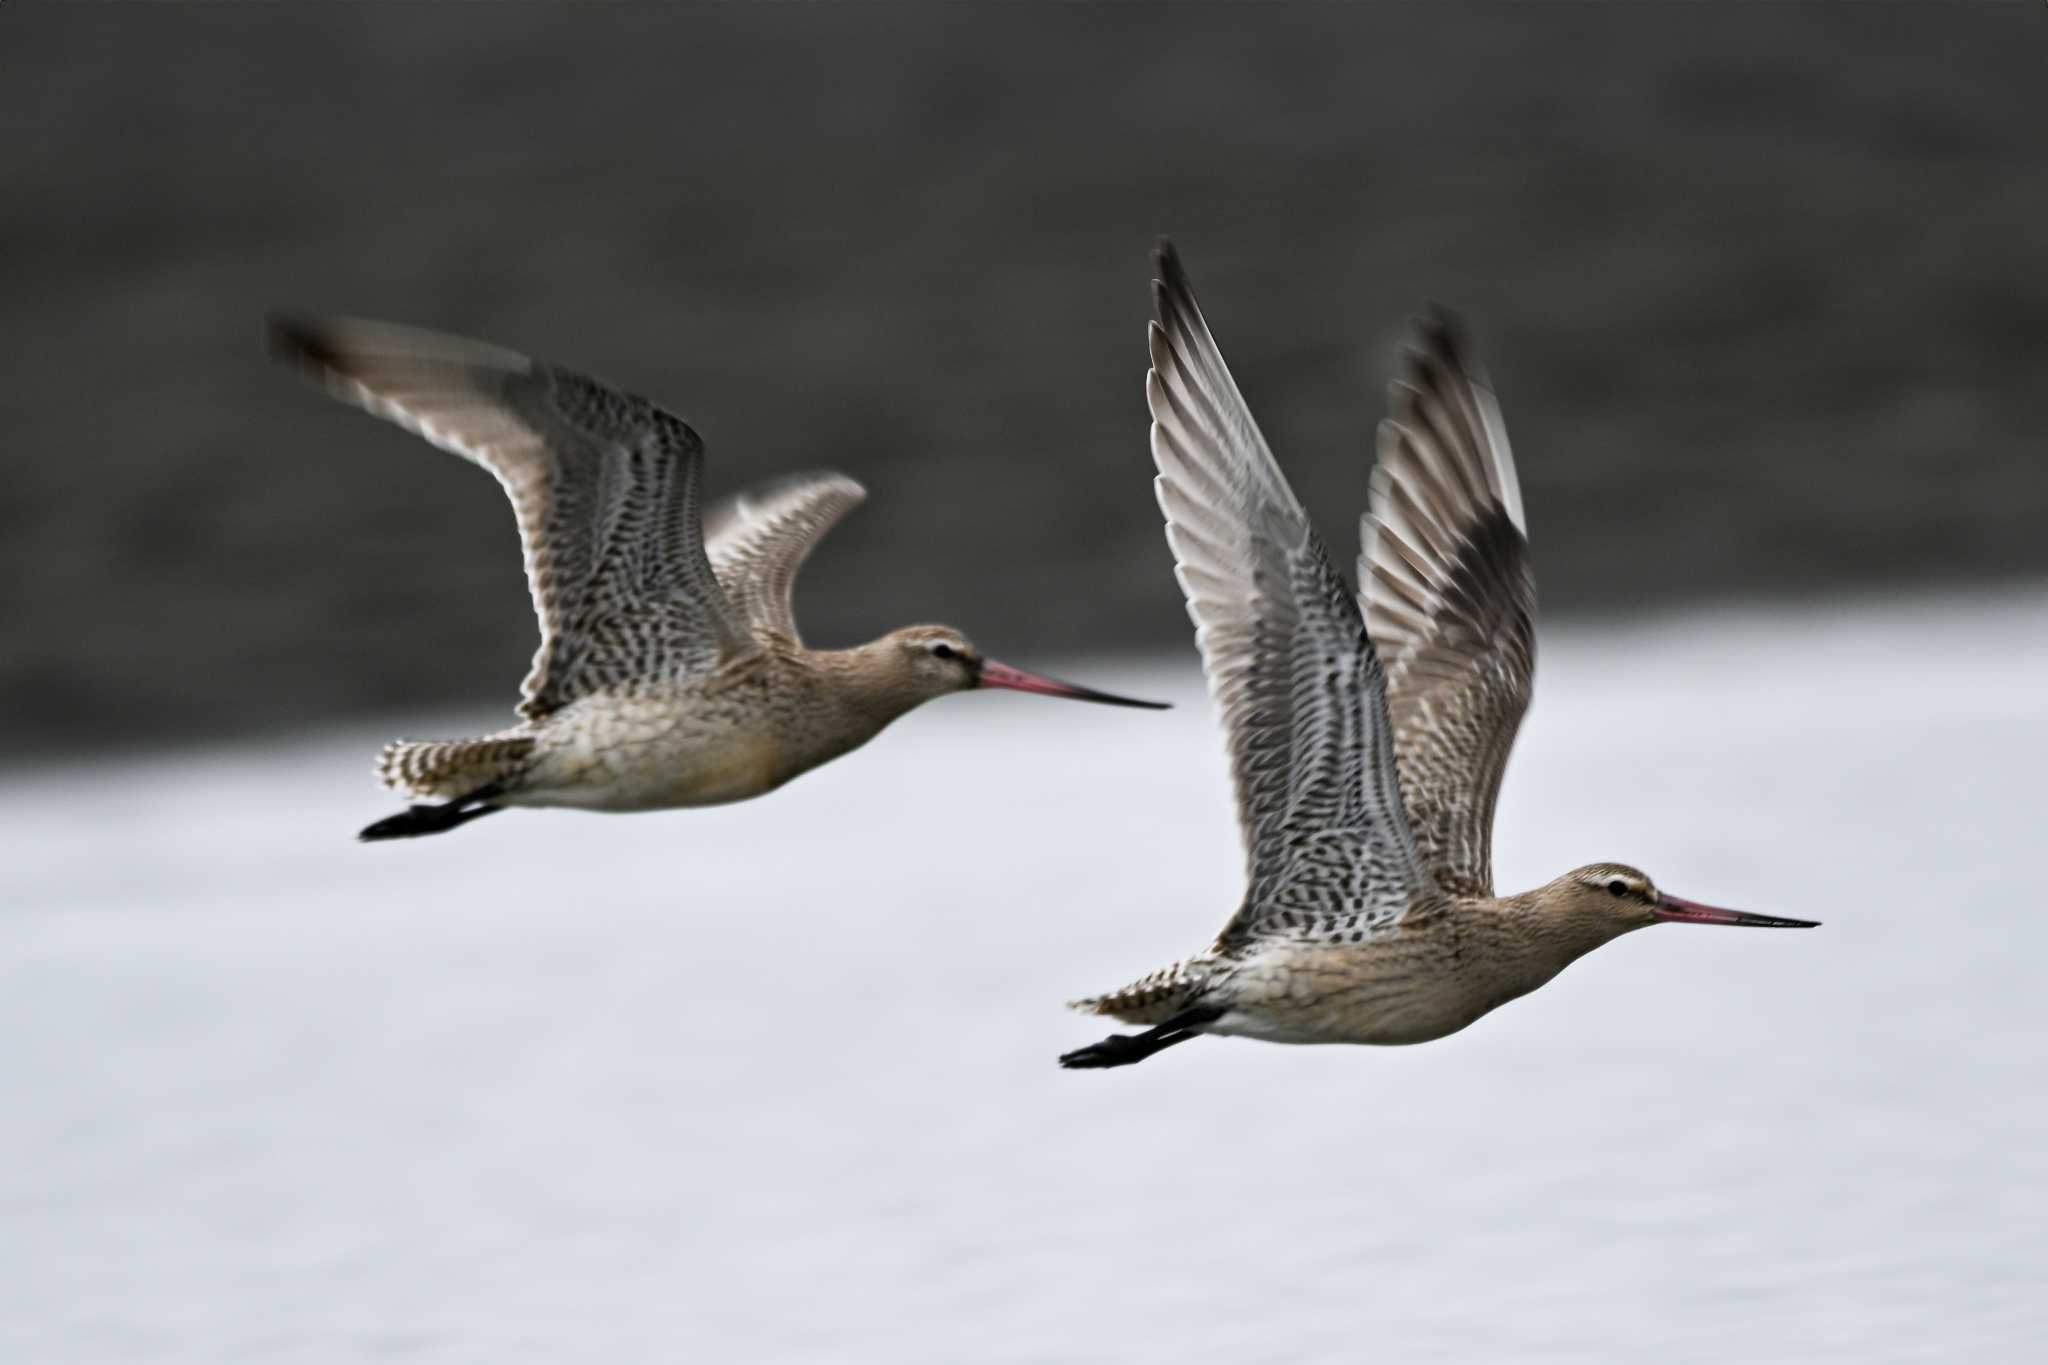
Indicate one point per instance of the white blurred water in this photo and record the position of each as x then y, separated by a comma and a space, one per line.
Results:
776, 1082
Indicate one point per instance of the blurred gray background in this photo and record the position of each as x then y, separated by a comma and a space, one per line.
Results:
1761, 288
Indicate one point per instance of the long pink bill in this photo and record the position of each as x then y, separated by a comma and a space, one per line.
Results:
993, 674
1681, 911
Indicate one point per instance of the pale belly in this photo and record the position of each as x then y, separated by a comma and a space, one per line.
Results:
1394, 995
629, 756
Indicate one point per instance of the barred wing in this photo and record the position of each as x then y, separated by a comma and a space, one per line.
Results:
1294, 675
604, 486
1450, 600
757, 540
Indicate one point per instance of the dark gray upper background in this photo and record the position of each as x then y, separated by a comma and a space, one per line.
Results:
1761, 288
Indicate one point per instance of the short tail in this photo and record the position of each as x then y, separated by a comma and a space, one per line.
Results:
452, 769
1154, 999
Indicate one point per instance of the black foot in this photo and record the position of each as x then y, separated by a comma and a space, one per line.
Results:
1119, 1049
414, 821
1124, 1049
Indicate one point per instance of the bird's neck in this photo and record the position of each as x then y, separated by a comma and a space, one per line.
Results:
870, 683
1555, 935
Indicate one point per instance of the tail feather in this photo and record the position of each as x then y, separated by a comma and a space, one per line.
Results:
1153, 999
452, 769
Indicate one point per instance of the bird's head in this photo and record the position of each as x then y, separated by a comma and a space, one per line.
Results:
930, 661
1623, 898
933, 660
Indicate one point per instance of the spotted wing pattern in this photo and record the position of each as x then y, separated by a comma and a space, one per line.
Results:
757, 540
604, 486
1293, 673
1450, 600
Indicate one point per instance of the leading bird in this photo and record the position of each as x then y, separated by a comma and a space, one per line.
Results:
1367, 735
669, 671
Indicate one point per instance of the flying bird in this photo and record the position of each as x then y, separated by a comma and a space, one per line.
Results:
1367, 735
669, 672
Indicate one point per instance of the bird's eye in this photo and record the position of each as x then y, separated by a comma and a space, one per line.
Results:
942, 651
1617, 887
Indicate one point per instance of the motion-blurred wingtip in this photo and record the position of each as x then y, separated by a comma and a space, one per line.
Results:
299, 341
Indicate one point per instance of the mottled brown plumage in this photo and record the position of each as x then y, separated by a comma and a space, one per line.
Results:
1367, 735
669, 672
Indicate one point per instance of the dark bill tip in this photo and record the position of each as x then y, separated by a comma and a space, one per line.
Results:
1680, 911
993, 674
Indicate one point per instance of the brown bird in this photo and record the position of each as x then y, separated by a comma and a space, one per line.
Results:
1367, 737
669, 672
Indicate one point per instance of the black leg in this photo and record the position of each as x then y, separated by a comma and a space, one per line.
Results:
414, 821
1124, 1049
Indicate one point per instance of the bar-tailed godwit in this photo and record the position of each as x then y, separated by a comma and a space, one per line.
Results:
1366, 739
669, 672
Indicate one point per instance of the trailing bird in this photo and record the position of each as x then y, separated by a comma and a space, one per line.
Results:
670, 672
1367, 735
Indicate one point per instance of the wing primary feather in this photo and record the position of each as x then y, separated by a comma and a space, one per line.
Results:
758, 541
1448, 597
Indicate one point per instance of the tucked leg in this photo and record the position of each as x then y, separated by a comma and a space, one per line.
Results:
1124, 1049
415, 821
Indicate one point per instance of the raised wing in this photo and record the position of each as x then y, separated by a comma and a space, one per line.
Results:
604, 485
757, 540
1293, 673
1450, 600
